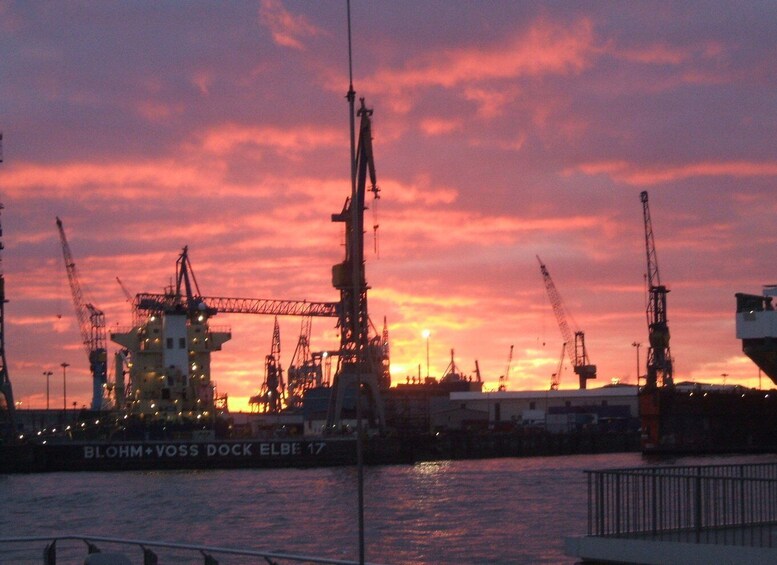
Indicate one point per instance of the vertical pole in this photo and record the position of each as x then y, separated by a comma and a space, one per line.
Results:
356, 267
64, 387
426, 334
655, 503
47, 374
636, 345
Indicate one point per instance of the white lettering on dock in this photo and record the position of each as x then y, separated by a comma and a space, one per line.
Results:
191, 450
112, 451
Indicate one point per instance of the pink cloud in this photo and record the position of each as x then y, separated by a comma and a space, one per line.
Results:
546, 48
437, 126
225, 138
490, 103
655, 54
286, 28
625, 172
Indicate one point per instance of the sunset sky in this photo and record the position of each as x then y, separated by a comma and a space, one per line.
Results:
502, 131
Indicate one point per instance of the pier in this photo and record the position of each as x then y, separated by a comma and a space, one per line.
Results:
682, 514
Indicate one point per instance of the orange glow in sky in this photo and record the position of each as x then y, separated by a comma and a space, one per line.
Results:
502, 130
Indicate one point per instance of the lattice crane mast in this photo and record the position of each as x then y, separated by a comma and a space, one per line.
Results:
271, 398
360, 357
659, 359
303, 373
574, 343
91, 322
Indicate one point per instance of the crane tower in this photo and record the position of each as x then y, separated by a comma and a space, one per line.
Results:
360, 357
91, 322
659, 359
574, 344
271, 397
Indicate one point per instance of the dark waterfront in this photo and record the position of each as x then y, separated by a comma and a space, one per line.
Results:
512, 510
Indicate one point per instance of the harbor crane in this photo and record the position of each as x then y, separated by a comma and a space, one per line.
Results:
303, 373
659, 358
574, 343
91, 322
186, 297
361, 357
272, 395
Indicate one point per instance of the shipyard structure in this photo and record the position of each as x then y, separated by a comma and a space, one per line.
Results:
167, 363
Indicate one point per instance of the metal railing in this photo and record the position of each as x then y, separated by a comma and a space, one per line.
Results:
37, 549
716, 504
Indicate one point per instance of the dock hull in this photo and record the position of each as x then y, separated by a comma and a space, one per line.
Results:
176, 454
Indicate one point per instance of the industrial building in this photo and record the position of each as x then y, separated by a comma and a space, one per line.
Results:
556, 411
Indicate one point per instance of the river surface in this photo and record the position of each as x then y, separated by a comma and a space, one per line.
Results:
513, 510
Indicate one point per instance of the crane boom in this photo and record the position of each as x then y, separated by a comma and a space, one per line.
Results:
574, 344
161, 302
186, 297
659, 359
91, 323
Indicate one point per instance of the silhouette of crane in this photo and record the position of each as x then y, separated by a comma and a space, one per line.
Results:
91, 323
575, 344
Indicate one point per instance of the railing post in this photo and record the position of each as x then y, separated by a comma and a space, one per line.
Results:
697, 513
600, 503
655, 503
590, 505
618, 504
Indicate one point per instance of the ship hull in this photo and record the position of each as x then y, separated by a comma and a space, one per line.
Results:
695, 420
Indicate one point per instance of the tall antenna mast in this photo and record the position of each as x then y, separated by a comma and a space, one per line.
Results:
6, 393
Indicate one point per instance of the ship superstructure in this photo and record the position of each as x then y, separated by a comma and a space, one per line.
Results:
167, 356
757, 328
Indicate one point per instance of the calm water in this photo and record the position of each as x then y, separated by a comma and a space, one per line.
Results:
486, 511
